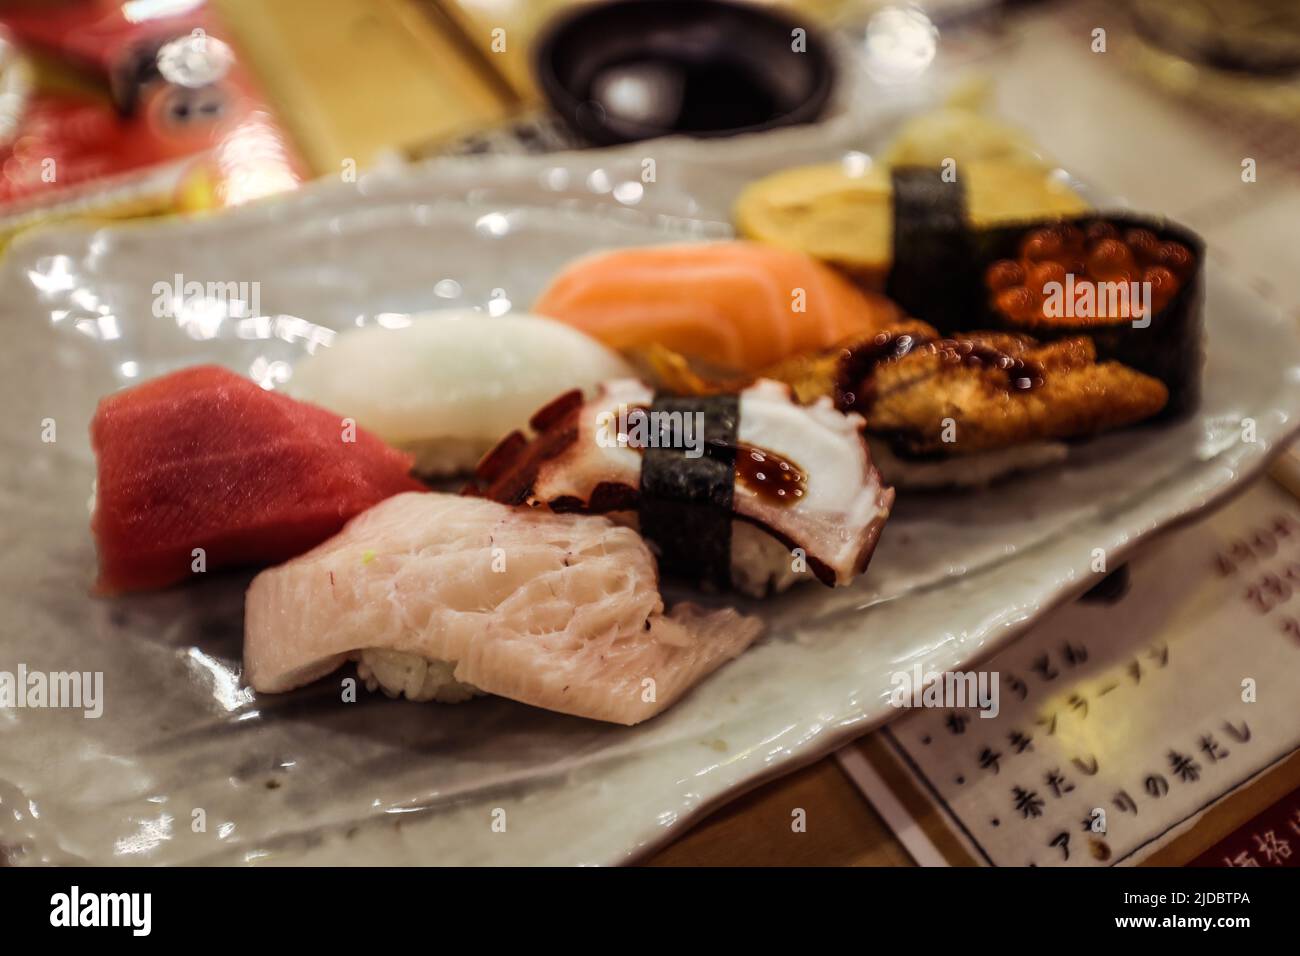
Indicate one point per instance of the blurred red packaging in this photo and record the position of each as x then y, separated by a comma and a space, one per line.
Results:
129, 108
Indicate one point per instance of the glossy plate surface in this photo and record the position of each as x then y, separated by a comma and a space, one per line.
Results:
305, 778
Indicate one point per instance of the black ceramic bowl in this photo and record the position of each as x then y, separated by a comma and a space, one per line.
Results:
635, 69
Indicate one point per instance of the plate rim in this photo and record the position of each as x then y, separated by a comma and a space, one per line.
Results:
1245, 462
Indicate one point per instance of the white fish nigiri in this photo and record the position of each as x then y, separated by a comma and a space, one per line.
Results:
439, 596
446, 386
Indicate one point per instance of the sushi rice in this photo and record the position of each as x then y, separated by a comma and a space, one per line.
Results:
401, 674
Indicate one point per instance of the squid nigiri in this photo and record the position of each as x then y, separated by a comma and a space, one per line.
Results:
441, 597
445, 386
737, 305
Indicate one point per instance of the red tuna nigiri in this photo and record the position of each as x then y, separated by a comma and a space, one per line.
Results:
204, 458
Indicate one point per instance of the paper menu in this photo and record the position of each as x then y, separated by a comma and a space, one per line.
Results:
1120, 724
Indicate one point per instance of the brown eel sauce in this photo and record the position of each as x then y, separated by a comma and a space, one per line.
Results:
772, 477
860, 363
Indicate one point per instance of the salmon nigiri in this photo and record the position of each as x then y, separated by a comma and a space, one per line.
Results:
739, 305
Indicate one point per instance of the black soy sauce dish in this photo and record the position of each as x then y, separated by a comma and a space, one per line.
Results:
636, 69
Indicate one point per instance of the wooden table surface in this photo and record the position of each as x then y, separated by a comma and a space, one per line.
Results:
842, 829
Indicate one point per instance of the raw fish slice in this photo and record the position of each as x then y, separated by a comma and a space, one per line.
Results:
448, 385
558, 611
834, 511
739, 305
204, 458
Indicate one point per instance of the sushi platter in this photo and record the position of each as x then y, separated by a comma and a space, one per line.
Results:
535, 490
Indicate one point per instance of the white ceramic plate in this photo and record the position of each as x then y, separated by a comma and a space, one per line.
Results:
304, 778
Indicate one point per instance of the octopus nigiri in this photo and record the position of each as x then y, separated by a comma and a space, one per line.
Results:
750, 490
737, 305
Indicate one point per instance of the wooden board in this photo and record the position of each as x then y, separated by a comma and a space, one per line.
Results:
357, 79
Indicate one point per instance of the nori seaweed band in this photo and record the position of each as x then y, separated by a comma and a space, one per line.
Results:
931, 275
685, 505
